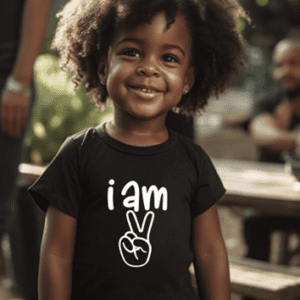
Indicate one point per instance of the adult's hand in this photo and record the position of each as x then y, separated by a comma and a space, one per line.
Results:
14, 112
283, 114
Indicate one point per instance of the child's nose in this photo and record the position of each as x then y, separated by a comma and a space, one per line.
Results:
147, 70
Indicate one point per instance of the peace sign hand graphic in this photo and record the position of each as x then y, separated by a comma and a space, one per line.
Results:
134, 245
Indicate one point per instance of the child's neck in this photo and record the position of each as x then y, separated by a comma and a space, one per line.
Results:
141, 134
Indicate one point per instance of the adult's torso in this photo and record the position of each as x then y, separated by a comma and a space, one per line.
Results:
10, 24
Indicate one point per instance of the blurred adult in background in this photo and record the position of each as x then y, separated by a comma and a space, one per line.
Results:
272, 21
23, 25
276, 125
276, 129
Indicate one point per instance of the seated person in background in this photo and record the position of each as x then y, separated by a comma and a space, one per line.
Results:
276, 128
276, 125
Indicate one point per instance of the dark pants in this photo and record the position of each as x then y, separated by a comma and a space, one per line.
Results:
25, 240
257, 233
17, 212
12, 152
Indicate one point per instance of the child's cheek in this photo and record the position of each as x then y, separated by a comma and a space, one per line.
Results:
114, 78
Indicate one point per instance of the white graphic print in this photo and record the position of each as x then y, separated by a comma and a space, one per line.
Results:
134, 245
159, 196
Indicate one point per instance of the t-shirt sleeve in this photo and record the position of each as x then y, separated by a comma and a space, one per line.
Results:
60, 184
209, 190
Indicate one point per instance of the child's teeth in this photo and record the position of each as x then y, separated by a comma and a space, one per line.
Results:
145, 90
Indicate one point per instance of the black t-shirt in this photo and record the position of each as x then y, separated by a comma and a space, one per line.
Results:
269, 105
134, 207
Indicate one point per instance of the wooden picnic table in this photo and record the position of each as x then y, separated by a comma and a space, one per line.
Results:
266, 187
262, 186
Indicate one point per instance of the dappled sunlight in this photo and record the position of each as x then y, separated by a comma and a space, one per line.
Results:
58, 112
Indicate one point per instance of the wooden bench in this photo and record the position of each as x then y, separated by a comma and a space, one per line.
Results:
262, 280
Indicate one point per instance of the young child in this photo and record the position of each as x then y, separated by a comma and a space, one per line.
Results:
130, 204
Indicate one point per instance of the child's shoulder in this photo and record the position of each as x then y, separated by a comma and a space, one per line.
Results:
185, 141
86, 135
81, 142
190, 148
193, 155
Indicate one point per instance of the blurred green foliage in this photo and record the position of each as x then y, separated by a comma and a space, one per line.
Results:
262, 2
242, 23
58, 112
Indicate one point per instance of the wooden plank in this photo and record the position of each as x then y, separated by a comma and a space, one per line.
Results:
29, 173
262, 186
265, 284
264, 266
262, 280
268, 206
259, 180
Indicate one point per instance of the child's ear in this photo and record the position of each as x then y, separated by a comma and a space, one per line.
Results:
189, 80
102, 72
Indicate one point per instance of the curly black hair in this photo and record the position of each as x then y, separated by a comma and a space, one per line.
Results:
86, 29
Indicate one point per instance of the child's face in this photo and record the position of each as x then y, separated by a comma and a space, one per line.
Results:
148, 68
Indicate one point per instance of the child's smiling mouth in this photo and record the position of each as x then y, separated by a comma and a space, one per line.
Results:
145, 91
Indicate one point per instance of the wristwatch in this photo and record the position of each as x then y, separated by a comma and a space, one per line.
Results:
15, 86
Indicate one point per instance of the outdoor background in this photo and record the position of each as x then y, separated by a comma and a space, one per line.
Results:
221, 130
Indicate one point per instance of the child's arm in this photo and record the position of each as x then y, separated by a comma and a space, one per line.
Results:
56, 257
210, 262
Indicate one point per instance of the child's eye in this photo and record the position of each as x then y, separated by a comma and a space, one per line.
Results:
170, 58
131, 52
